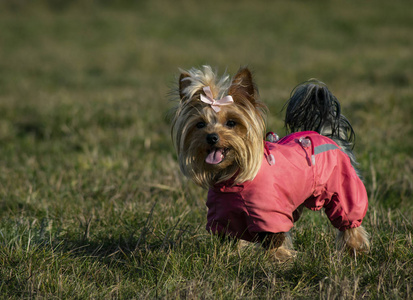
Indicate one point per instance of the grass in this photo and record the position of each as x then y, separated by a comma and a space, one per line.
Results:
92, 203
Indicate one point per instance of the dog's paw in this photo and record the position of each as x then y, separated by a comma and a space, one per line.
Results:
244, 245
356, 240
282, 254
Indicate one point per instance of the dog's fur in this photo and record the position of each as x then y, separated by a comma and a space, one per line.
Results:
238, 132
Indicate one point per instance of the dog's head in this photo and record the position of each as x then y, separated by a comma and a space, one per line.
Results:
218, 127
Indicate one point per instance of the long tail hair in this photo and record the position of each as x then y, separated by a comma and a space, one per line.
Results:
313, 107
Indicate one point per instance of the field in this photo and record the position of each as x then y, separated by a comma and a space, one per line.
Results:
92, 202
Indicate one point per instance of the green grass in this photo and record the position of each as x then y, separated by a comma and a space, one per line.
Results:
92, 203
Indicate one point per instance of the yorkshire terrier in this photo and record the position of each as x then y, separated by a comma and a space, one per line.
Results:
257, 188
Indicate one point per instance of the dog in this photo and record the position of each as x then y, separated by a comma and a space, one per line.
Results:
257, 189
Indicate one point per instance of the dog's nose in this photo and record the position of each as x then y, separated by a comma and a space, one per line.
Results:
212, 138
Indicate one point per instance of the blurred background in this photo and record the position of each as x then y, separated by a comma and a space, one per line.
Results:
97, 74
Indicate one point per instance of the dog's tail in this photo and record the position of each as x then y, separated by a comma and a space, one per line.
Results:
313, 107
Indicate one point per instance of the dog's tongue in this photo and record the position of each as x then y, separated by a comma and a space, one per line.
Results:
215, 156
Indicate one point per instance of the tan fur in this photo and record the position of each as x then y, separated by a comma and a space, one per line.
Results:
245, 140
285, 252
282, 254
354, 240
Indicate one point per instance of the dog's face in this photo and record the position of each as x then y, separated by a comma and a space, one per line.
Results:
215, 146
216, 140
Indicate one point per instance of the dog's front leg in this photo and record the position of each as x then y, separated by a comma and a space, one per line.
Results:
278, 244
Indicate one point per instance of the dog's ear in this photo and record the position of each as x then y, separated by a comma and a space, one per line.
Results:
242, 86
184, 82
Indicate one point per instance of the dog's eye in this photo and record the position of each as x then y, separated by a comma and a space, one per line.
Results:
200, 125
231, 124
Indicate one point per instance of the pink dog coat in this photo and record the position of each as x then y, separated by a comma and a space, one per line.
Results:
267, 203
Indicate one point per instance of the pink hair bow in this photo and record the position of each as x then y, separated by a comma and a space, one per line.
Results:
215, 104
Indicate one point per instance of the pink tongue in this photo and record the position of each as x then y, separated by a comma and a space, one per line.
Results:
214, 157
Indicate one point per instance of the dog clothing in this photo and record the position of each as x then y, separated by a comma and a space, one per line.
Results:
309, 169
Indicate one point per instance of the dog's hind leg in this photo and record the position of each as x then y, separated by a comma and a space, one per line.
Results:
355, 240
